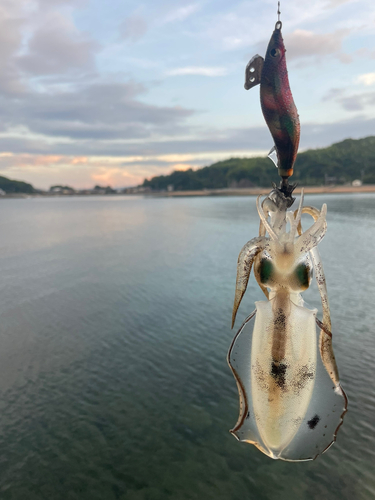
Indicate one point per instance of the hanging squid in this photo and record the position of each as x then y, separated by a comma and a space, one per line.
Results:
291, 401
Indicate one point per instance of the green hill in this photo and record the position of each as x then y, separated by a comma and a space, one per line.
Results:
10, 186
340, 163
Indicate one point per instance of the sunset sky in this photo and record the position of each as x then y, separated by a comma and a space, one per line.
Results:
95, 92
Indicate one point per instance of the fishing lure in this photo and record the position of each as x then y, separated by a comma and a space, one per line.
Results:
276, 101
291, 401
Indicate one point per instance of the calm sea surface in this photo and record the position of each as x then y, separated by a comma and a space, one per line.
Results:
114, 329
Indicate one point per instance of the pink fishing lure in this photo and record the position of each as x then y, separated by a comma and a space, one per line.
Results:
276, 100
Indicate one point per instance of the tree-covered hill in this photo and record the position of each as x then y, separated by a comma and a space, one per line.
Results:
10, 186
340, 163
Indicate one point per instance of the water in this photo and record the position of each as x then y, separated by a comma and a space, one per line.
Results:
115, 325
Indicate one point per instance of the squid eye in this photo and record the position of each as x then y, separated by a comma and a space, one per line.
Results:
303, 274
275, 52
265, 270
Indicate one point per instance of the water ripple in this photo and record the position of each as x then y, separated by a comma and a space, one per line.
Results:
115, 330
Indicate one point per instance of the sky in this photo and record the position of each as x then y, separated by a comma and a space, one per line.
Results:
96, 92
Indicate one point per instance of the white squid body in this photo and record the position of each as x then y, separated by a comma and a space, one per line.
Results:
291, 401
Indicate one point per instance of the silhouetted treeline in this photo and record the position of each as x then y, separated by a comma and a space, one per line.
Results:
340, 163
10, 186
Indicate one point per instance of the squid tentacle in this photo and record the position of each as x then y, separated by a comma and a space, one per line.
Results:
297, 217
264, 220
267, 206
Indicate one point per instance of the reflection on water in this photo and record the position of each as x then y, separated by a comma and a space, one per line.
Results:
115, 324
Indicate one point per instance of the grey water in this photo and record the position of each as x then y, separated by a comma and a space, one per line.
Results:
114, 329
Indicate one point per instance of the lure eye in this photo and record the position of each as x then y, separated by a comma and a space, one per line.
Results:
275, 52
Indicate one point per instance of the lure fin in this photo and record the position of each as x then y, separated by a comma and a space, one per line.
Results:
253, 71
272, 155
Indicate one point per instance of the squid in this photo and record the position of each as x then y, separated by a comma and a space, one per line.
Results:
291, 401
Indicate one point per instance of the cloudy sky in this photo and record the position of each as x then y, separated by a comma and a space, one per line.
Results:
113, 92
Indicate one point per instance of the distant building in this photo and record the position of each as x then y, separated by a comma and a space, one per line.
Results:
357, 183
61, 190
137, 190
103, 190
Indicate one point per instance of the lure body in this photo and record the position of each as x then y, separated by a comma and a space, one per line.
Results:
291, 401
276, 100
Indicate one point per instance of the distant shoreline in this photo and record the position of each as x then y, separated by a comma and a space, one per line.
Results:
370, 188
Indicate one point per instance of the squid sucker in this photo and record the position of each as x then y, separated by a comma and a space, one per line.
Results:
291, 400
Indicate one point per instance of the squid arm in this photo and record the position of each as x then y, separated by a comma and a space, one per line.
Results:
312, 237
326, 349
244, 265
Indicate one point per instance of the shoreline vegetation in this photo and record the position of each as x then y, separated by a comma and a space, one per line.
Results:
333, 189
350, 162
344, 167
339, 189
368, 188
